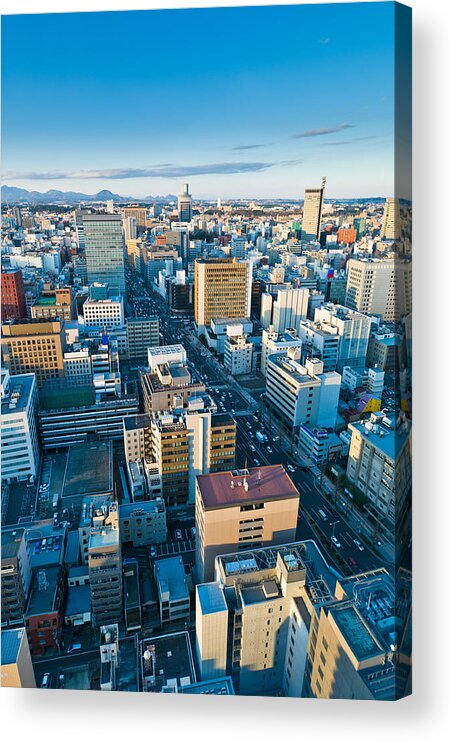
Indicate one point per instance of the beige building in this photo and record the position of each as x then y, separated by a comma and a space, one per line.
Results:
242, 509
104, 563
360, 643
183, 443
312, 214
220, 289
253, 621
34, 347
52, 304
280, 622
391, 221
168, 384
139, 213
17, 668
381, 287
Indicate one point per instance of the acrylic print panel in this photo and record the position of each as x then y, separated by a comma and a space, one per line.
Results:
206, 344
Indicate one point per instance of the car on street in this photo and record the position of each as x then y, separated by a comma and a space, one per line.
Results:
256, 462
291, 468
352, 562
358, 544
178, 534
193, 531
74, 648
268, 448
336, 542
46, 680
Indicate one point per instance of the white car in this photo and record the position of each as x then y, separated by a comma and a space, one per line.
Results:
268, 448
336, 542
358, 544
291, 468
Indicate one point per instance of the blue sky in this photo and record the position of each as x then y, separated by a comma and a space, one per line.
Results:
238, 101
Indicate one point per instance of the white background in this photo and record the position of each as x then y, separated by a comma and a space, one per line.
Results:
427, 715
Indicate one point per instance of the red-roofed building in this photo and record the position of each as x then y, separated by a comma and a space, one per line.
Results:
240, 510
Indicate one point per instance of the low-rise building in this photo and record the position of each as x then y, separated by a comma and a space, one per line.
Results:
172, 589
167, 663
143, 524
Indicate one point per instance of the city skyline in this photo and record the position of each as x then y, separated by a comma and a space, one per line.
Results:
141, 122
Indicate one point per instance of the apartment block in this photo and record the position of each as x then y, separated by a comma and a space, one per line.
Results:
379, 463
16, 576
105, 566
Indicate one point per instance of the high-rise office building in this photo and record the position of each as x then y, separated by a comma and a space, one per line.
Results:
34, 347
288, 308
19, 434
352, 328
130, 228
104, 250
242, 509
391, 221
302, 394
185, 204
139, 214
312, 215
220, 289
13, 295
380, 287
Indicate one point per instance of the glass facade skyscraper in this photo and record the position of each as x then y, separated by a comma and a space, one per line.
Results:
104, 250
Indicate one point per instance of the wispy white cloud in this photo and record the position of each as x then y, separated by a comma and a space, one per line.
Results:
325, 41
323, 131
158, 171
242, 147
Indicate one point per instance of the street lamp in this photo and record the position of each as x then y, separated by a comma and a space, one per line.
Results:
333, 528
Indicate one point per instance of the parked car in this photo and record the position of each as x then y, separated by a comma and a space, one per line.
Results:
152, 551
268, 448
291, 468
178, 534
74, 648
46, 680
358, 544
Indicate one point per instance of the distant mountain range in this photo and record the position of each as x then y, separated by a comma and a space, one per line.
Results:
13, 195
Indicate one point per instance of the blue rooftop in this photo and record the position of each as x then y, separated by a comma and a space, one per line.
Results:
11, 640
170, 575
211, 597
